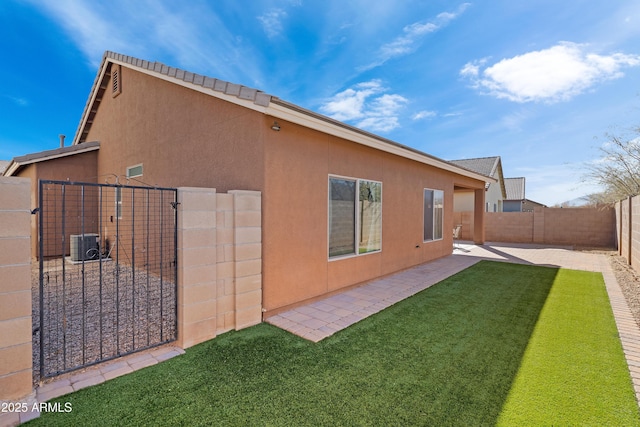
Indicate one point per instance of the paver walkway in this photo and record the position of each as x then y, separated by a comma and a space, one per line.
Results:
323, 318
77, 380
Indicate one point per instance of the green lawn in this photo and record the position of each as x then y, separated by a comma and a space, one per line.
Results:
495, 344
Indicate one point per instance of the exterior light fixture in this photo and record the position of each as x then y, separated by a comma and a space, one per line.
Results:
275, 126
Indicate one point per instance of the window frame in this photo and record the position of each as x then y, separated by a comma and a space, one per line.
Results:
433, 215
357, 215
129, 168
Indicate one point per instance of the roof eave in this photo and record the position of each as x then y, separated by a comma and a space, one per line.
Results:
275, 107
293, 113
19, 162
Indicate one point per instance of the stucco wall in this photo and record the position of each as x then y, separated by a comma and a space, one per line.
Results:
80, 167
186, 138
182, 137
463, 201
298, 164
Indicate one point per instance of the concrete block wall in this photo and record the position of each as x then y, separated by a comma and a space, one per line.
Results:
15, 293
628, 230
551, 226
515, 227
247, 217
219, 263
635, 233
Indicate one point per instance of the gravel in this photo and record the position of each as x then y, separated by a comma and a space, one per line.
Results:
629, 281
99, 313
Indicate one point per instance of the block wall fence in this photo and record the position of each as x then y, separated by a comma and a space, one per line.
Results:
628, 230
219, 275
220, 263
593, 227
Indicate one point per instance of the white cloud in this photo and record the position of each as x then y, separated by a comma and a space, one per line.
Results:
367, 106
19, 101
409, 40
194, 37
272, 22
424, 115
555, 74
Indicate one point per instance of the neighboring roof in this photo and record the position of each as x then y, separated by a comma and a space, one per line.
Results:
515, 188
489, 166
256, 100
3, 165
484, 165
18, 162
531, 202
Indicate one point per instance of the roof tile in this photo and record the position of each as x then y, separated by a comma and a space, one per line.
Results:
208, 82
232, 89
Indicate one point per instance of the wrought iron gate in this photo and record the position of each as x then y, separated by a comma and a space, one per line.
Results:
107, 273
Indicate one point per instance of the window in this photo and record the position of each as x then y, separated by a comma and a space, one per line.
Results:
134, 171
355, 216
433, 214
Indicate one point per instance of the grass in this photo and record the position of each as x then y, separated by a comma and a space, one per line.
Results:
495, 344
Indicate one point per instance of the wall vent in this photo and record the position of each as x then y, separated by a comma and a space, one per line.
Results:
116, 84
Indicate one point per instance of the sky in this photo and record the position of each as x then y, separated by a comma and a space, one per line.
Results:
540, 83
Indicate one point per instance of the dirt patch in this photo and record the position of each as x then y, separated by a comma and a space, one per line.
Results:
629, 281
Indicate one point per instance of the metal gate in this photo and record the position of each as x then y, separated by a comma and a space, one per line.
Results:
107, 273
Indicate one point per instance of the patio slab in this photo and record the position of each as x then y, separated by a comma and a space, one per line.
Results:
355, 304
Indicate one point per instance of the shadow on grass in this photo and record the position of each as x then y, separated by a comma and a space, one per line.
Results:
446, 356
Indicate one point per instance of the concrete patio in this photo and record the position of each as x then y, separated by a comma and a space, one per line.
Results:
321, 319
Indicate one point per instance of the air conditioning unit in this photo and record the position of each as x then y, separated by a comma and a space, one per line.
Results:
84, 246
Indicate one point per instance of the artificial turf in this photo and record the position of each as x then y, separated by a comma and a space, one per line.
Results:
492, 344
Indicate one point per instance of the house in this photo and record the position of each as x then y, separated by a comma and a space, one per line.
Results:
3, 165
340, 206
515, 200
495, 191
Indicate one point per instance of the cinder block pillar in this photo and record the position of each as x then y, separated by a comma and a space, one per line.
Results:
478, 217
248, 257
15, 289
197, 257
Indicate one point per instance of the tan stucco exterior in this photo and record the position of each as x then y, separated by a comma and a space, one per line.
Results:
186, 138
80, 167
182, 137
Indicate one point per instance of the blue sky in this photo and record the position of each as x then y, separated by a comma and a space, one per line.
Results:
539, 83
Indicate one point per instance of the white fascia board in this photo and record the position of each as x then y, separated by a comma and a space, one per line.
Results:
90, 102
198, 88
302, 118
15, 165
299, 117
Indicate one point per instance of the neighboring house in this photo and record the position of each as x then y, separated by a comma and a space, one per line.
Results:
340, 205
515, 200
3, 165
495, 191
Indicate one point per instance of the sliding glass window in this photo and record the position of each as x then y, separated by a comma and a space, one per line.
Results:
355, 215
433, 214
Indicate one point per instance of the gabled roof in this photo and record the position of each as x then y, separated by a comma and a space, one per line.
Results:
256, 100
489, 166
484, 165
515, 188
18, 162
